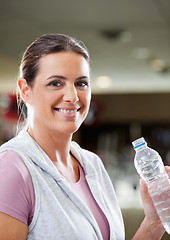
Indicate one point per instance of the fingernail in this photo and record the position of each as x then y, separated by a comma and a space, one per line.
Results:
140, 181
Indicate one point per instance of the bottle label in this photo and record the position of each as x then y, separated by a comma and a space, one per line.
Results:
139, 145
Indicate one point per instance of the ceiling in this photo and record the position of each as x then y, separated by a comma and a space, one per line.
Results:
128, 40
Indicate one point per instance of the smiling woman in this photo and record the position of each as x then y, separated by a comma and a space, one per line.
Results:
51, 188
62, 83
42, 47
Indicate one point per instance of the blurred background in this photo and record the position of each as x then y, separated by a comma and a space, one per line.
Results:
129, 45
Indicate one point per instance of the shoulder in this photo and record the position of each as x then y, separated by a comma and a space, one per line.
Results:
18, 143
11, 158
13, 167
8, 155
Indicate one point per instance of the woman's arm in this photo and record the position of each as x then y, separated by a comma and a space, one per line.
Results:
16, 197
11, 228
151, 227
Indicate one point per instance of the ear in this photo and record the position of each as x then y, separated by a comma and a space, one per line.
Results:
24, 90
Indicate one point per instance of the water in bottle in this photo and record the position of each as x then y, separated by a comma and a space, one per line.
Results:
149, 165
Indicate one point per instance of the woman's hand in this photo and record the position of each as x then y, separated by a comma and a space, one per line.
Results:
151, 227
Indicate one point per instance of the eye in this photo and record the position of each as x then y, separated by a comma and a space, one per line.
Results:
55, 83
81, 84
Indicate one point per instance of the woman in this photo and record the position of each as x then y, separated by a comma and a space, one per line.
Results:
54, 189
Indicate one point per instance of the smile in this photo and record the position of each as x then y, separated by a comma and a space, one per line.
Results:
67, 110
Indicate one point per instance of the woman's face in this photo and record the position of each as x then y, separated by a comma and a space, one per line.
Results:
60, 97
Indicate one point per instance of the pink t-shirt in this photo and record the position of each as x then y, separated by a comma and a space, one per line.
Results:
82, 190
17, 197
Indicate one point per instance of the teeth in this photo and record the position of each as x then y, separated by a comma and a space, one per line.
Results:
67, 111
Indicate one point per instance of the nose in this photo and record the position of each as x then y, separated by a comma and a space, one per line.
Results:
70, 94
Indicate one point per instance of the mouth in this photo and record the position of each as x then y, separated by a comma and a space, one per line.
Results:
66, 110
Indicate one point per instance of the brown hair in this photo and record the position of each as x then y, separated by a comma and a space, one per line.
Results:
44, 45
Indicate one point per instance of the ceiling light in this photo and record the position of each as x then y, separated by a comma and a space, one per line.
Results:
157, 65
126, 36
141, 53
103, 82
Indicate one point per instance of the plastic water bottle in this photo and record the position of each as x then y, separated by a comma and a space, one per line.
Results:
149, 165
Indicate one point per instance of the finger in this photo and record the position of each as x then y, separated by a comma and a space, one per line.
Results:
149, 209
167, 168
144, 191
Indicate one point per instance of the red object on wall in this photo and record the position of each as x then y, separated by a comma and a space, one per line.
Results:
8, 108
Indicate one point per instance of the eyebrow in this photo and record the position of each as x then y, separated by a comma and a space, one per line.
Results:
82, 77
57, 76
64, 78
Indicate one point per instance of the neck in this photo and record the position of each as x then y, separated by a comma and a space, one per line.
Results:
55, 145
